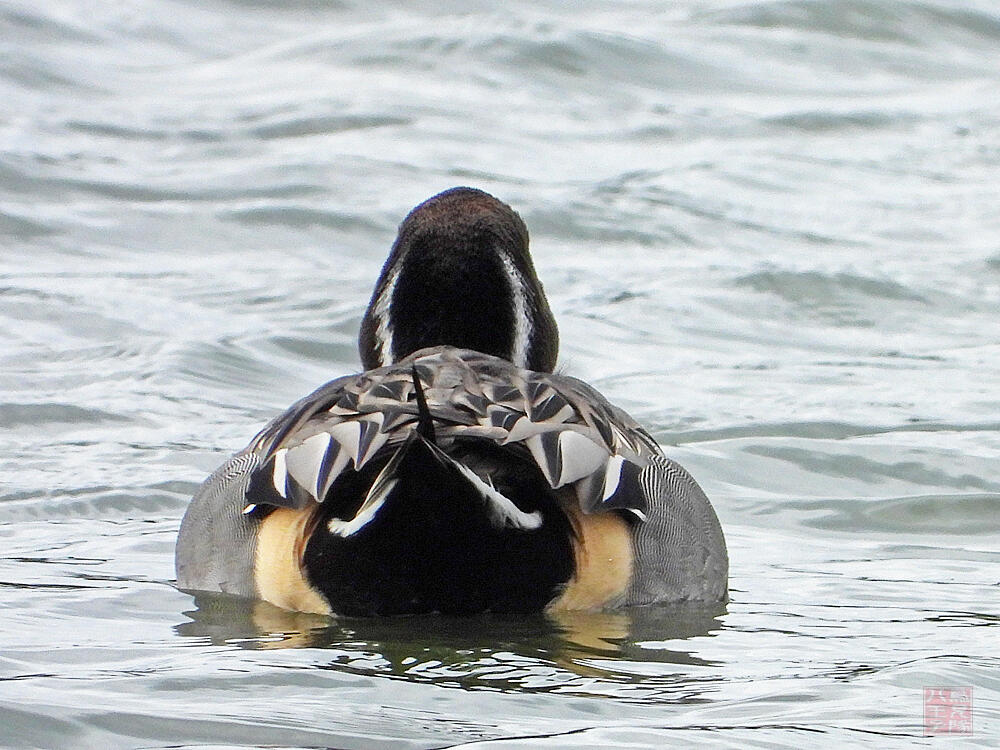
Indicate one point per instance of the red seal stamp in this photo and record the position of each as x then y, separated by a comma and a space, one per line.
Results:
947, 710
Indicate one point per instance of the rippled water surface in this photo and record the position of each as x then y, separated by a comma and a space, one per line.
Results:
769, 230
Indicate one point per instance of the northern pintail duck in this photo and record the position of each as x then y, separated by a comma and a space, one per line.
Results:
458, 473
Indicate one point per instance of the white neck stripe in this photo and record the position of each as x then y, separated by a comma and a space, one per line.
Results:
522, 325
383, 326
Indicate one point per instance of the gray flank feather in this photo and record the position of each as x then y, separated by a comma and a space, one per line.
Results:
216, 542
680, 553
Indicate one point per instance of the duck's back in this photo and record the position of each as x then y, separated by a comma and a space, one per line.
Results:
453, 481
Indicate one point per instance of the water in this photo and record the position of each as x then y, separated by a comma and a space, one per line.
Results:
767, 229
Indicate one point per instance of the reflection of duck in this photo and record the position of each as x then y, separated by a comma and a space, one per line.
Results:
533, 653
457, 474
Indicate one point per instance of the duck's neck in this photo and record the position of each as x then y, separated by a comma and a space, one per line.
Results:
460, 275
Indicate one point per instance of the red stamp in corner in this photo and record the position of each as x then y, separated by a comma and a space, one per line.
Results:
947, 710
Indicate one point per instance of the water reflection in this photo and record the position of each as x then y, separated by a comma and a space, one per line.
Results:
583, 652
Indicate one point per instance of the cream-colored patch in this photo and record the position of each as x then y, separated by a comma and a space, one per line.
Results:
278, 572
604, 558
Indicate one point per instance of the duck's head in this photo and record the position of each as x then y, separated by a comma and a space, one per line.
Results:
460, 274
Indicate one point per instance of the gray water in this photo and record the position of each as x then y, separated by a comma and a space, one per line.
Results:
768, 229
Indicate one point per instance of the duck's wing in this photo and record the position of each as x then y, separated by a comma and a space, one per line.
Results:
573, 434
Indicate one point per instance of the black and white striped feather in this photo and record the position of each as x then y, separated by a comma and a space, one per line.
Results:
573, 434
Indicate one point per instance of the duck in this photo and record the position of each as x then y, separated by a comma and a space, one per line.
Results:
458, 473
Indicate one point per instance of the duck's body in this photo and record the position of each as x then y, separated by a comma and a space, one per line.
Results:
449, 479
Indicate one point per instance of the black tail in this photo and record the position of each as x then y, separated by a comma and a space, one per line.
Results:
429, 539
425, 422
